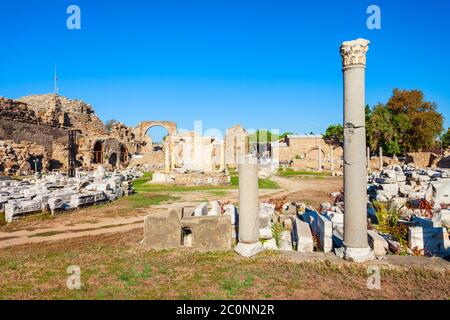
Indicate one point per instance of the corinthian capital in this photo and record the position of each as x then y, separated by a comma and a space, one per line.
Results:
354, 52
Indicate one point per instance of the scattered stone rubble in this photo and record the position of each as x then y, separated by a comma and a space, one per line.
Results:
57, 193
422, 198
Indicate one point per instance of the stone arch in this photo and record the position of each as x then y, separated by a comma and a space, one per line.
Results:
98, 148
313, 153
141, 130
123, 154
112, 159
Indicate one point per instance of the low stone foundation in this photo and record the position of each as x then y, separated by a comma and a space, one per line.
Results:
191, 178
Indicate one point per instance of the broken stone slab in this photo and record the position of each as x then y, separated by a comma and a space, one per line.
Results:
422, 222
208, 232
264, 220
79, 200
55, 205
265, 233
201, 210
324, 207
266, 208
14, 209
441, 218
391, 188
216, 209
162, 230
378, 244
286, 241
231, 211
433, 241
270, 244
322, 229
290, 208
302, 236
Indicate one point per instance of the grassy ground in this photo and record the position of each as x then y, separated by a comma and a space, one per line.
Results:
141, 185
114, 266
289, 172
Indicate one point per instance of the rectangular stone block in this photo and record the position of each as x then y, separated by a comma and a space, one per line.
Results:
18, 208
209, 232
434, 241
201, 210
378, 244
162, 230
302, 236
322, 229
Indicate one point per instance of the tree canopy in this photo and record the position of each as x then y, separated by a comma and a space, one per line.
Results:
406, 123
334, 134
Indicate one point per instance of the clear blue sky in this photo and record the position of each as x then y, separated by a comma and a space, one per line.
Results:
262, 64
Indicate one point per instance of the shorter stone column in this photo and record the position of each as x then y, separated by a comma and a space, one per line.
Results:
368, 158
172, 154
320, 158
222, 156
249, 244
166, 158
381, 159
331, 160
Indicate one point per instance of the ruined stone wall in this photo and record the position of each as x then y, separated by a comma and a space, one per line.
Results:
17, 158
421, 159
37, 133
306, 148
236, 144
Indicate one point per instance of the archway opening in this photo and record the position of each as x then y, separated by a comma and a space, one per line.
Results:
98, 152
35, 163
123, 154
113, 160
158, 135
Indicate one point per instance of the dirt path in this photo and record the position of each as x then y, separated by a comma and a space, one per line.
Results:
97, 221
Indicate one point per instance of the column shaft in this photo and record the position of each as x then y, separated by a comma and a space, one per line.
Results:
355, 185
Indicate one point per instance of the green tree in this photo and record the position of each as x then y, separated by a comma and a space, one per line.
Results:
407, 123
109, 124
334, 134
418, 123
446, 139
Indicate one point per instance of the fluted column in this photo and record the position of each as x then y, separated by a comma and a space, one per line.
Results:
356, 246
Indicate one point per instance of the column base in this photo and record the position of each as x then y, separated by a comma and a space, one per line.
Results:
359, 255
248, 249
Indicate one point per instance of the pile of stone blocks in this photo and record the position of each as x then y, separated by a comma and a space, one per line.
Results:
403, 188
56, 192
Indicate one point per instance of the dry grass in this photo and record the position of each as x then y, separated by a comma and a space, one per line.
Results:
114, 266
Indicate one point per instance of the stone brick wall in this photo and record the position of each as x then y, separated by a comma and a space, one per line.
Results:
37, 133
421, 159
306, 148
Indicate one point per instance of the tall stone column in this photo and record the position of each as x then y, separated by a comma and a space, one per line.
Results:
249, 244
222, 156
356, 247
331, 160
166, 157
380, 155
319, 158
172, 154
